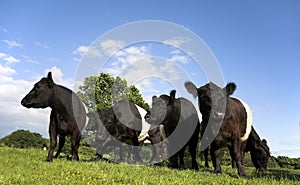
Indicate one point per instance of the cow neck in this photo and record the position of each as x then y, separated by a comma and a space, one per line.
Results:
59, 103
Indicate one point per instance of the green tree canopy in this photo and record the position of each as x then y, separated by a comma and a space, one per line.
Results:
101, 92
24, 139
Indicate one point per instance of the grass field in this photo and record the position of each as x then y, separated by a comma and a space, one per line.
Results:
27, 166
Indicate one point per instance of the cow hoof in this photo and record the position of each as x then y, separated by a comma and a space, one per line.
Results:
48, 160
244, 177
195, 168
218, 173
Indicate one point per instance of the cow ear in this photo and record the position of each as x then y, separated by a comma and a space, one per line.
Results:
172, 97
264, 141
50, 80
191, 88
154, 98
230, 88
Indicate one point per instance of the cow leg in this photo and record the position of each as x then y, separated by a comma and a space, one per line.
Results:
129, 151
136, 150
61, 144
233, 163
181, 156
119, 154
215, 157
155, 151
205, 152
236, 154
174, 161
53, 137
101, 150
193, 153
75, 142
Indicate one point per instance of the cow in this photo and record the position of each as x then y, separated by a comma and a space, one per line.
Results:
120, 124
67, 117
230, 119
156, 136
259, 152
180, 119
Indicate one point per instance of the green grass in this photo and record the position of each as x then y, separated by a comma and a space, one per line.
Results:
27, 166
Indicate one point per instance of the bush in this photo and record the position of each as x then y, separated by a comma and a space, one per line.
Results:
24, 139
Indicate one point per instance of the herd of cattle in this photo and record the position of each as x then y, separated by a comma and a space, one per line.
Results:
174, 124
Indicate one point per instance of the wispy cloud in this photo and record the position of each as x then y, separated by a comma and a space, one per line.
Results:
108, 47
29, 60
176, 42
8, 59
12, 43
89, 51
45, 46
4, 30
179, 58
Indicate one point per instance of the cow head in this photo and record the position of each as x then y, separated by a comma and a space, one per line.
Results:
211, 98
161, 108
259, 151
41, 95
260, 155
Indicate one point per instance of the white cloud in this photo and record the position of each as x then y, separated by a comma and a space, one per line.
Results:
175, 42
6, 71
87, 51
179, 58
110, 47
13, 115
135, 64
12, 43
107, 47
8, 59
81, 50
58, 77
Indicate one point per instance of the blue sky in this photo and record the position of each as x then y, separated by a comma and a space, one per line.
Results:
256, 44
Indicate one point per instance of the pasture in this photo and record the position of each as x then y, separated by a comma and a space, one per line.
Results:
27, 166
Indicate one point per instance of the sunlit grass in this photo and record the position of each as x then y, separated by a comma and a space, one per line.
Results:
27, 166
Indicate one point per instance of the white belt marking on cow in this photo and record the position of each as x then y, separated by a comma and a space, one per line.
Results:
249, 121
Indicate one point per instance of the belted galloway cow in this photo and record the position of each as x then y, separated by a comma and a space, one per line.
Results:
120, 124
68, 115
227, 119
181, 123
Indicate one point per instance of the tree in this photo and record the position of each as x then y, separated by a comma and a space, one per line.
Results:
101, 92
24, 139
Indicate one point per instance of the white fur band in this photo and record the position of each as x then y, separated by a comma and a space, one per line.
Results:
249, 121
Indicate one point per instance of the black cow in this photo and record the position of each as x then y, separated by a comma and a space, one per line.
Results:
181, 123
68, 116
229, 119
120, 124
259, 152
